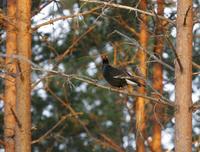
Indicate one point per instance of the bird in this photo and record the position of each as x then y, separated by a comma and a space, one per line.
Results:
117, 77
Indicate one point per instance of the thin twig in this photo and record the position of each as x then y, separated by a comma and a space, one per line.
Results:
63, 118
196, 65
5, 19
16, 118
69, 50
19, 57
111, 143
156, 117
41, 7
175, 53
195, 106
137, 45
186, 15
68, 106
196, 73
1, 97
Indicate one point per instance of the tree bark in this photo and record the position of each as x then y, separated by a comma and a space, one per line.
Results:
140, 103
10, 81
183, 116
23, 103
158, 77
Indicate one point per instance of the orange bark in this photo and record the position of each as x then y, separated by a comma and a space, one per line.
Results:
23, 104
158, 77
183, 89
140, 103
10, 81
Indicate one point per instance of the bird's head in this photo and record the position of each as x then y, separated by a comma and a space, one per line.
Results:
104, 59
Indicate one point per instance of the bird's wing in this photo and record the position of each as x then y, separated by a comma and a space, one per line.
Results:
116, 72
119, 73
124, 74
129, 77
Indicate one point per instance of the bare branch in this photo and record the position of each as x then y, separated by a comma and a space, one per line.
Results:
16, 118
68, 106
195, 106
136, 44
176, 55
128, 8
93, 82
5, 19
51, 21
69, 50
2, 142
161, 100
186, 14
63, 118
196, 65
41, 7
1, 97
111, 143
123, 91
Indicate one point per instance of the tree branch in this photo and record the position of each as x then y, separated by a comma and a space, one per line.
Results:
94, 83
111, 143
2, 142
51, 21
175, 53
195, 106
136, 44
196, 65
68, 106
63, 118
69, 50
128, 8
41, 7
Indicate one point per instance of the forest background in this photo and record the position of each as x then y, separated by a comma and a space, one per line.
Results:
72, 107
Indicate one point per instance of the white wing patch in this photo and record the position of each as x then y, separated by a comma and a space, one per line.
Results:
131, 82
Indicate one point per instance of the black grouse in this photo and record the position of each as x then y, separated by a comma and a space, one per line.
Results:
115, 76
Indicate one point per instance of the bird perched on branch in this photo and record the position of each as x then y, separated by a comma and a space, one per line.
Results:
117, 77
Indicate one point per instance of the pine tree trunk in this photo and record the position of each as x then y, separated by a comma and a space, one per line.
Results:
140, 103
158, 78
183, 116
23, 103
10, 81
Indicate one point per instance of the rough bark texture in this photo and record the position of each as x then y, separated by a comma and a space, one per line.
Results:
158, 78
183, 126
10, 81
23, 110
140, 103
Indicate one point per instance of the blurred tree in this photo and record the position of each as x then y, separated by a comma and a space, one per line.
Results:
158, 78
